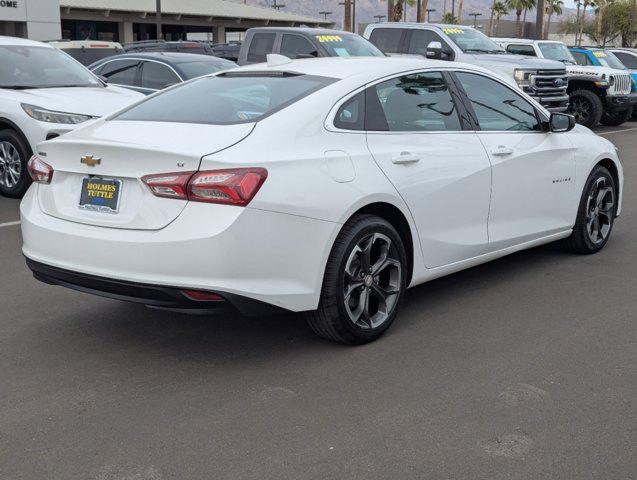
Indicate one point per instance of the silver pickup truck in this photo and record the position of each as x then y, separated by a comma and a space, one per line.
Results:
544, 80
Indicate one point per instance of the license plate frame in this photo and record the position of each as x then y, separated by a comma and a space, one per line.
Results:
108, 205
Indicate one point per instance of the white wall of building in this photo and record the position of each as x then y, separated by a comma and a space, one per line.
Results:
41, 17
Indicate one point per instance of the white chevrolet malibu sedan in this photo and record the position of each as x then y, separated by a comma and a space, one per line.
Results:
327, 186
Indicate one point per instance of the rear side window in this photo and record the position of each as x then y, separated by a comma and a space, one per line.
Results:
581, 58
226, 99
260, 46
527, 50
351, 115
157, 76
293, 46
120, 72
386, 39
416, 103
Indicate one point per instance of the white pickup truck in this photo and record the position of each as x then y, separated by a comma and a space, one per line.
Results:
598, 94
544, 80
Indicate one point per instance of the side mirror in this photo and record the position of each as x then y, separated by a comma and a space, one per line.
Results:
561, 122
434, 50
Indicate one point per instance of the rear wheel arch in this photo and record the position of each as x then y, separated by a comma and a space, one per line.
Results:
398, 220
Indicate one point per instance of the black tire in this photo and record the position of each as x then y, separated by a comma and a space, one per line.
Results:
586, 107
582, 241
615, 119
334, 319
13, 182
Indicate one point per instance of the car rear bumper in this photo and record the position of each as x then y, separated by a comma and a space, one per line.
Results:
270, 257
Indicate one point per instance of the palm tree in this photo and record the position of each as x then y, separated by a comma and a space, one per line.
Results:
448, 18
552, 7
519, 6
459, 16
490, 33
423, 11
601, 8
499, 9
395, 9
531, 6
585, 5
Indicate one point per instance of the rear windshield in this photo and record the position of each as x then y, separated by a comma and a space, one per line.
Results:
348, 45
226, 99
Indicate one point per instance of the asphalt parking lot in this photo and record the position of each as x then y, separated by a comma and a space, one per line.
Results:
524, 368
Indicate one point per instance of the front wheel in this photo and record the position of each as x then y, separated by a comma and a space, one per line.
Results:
14, 155
365, 279
615, 119
595, 215
586, 107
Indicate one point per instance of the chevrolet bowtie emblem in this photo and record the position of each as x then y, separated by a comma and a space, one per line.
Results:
90, 160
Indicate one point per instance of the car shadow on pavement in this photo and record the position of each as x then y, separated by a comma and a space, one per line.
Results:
118, 325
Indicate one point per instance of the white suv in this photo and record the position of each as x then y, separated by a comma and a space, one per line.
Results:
43, 94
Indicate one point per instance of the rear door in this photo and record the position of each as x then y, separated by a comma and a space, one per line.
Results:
533, 170
157, 76
418, 134
296, 46
388, 40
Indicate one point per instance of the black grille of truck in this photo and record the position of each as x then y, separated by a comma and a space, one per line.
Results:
550, 83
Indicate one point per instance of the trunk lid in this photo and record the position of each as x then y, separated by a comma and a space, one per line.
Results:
127, 151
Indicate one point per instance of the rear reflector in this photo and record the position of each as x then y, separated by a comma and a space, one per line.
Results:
236, 186
201, 295
40, 172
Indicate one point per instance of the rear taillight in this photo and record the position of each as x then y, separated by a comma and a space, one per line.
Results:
236, 186
40, 172
169, 185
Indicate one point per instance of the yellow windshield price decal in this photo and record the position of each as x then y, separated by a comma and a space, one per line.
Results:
599, 54
451, 31
329, 38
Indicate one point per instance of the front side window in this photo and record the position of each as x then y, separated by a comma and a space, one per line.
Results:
295, 46
518, 49
41, 67
121, 72
420, 40
386, 39
497, 107
416, 103
556, 51
157, 76
628, 59
260, 46
225, 99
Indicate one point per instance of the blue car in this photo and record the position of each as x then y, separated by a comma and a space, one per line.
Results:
153, 71
616, 109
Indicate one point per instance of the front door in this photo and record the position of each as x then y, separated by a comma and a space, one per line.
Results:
533, 170
415, 134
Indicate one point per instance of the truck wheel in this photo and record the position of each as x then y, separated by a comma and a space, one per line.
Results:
615, 119
586, 107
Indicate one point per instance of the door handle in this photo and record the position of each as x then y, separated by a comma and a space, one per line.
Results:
501, 151
405, 157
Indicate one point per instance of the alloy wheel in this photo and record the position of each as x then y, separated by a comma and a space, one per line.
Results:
372, 281
580, 109
600, 208
10, 165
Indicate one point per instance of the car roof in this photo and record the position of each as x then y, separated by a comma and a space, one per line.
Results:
344, 67
419, 25
302, 30
168, 57
23, 42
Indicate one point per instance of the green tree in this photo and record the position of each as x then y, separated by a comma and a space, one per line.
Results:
449, 18
520, 6
499, 10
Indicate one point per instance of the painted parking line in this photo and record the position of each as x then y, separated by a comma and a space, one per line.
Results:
9, 224
618, 131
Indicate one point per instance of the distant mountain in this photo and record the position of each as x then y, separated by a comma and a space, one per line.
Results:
366, 9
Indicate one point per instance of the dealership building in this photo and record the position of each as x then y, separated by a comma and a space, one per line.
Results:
126, 21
